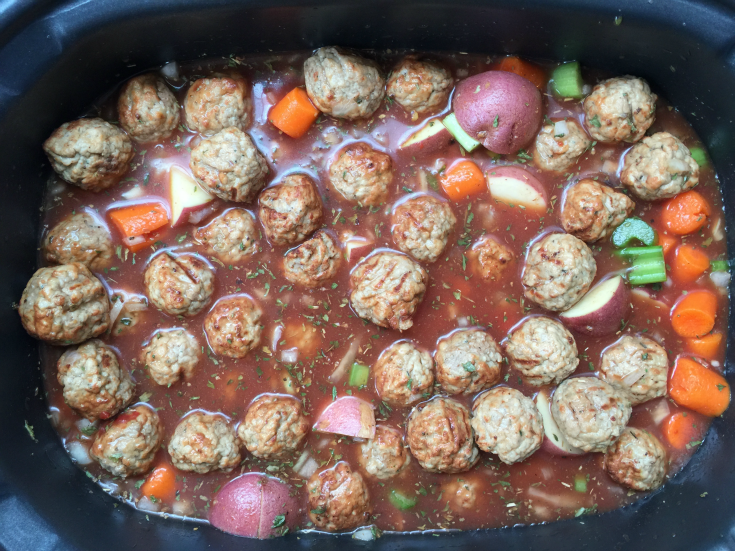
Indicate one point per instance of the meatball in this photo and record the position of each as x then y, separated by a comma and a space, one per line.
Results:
421, 226
440, 437
543, 351
64, 305
213, 104
404, 374
314, 262
147, 109
128, 445
79, 238
659, 167
204, 442
231, 236
291, 210
233, 326
558, 272
179, 285
338, 498
385, 455
590, 412
89, 153
507, 424
490, 258
274, 426
387, 288
343, 85
620, 109
419, 86
637, 367
94, 384
637, 460
592, 210
229, 165
467, 361
362, 174
559, 145
171, 354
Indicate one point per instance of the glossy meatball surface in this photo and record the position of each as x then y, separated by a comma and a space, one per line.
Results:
274, 426
559, 145
384, 456
79, 238
620, 109
314, 262
147, 109
637, 366
404, 374
231, 236
419, 86
180, 285
637, 460
291, 210
203, 443
233, 326
467, 361
421, 226
213, 104
592, 211
338, 498
170, 355
362, 174
490, 258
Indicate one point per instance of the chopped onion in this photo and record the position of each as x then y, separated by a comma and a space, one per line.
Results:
116, 309
364, 534
145, 504
661, 411
86, 426
171, 70
78, 452
634, 376
463, 321
134, 193
182, 508
136, 305
306, 465
610, 167
129, 303
423, 181
277, 334
346, 362
332, 136
560, 128
290, 356
586, 89
718, 229
720, 279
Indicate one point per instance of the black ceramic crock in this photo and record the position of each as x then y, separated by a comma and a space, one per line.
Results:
58, 57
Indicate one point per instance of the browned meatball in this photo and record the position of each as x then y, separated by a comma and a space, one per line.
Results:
421, 226
213, 104
559, 144
387, 288
591, 210
637, 460
274, 426
90, 153
384, 456
440, 436
636, 366
128, 445
203, 443
362, 174
147, 109
233, 326
404, 374
490, 258
64, 305
419, 85
291, 210
338, 498
171, 354
467, 361
620, 109
314, 262
179, 285
231, 236
79, 238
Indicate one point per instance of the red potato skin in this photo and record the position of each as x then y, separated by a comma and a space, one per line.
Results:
349, 416
606, 319
517, 173
513, 99
247, 506
431, 139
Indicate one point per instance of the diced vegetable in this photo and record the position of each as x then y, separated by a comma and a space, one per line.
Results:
633, 229
187, 196
349, 416
688, 264
566, 81
139, 219
667, 242
294, 114
706, 346
467, 142
401, 501
139, 242
580, 483
347, 360
600, 311
699, 155
515, 186
694, 386
679, 430
359, 375
161, 484
529, 71
463, 179
430, 138
720, 265
685, 213
694, 314
648, 264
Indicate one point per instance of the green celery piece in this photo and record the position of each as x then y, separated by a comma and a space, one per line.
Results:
566, 81
633, 229
467, 142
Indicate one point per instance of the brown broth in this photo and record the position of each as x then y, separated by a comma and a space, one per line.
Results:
321, 324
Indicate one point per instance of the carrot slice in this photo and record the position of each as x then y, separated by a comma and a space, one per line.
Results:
707, 346
135, 244
685, 213
525, 69
294, 114
694, 386
667, 242
680, 429
694, 314
161, 483
139, 219
689, 263
463, 179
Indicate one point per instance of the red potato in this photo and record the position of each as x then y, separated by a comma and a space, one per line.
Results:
554, 441
186, 196
255, 506
515, 186
500, 109
600, 311
349, 416
357, 247
430, 138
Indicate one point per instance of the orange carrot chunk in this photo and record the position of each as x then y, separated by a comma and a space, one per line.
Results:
689, 263
679, 430
694, 314
685, 213
140, 219
463, 179
667, 242
525, 69
694, 386
161, 483
707, 346
294, 114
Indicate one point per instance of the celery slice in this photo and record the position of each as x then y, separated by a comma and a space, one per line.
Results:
631, 229
648, 264
699, 155
467, 142
566, 81
359, 375
402, 501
